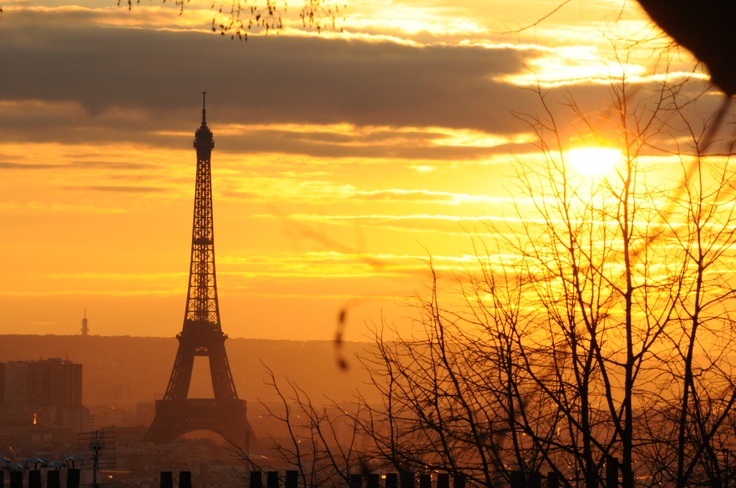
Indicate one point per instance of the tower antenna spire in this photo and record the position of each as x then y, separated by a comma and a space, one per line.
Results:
204, 110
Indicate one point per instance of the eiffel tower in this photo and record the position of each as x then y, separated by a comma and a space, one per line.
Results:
202, 333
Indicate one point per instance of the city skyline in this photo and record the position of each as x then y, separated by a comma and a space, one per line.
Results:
343, 162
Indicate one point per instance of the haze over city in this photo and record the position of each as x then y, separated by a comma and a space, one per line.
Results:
343, 160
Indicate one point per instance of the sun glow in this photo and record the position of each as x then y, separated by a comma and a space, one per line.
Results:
593, 161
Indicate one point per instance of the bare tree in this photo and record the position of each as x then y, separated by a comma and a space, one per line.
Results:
595, 327
239, 17
320, 441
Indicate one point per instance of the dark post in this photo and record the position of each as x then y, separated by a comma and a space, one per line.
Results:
392, 480
517, 479
272, 479
356, 481
372, 480
458, 481
425, 481
553, 480
292, 478
443, 480
185, 479
167, 479
612, 472
53, 479
34, 478
2, 477
256, 480
73, 476
535, 480
407, 479
16, 479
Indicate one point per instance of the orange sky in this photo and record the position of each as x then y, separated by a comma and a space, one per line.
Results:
342, 161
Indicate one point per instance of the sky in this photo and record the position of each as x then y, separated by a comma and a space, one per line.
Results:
344, 160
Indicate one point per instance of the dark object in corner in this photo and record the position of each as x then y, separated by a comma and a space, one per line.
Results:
706, 28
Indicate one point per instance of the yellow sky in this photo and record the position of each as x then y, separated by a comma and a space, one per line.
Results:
343, 161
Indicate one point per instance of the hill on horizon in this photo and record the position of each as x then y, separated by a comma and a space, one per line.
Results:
126, 370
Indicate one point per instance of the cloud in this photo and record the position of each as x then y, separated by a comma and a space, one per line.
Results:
62, 57
304, 189
377, 263
117, 189
396, 195
69, 76
373, 142
28, 166
440, 224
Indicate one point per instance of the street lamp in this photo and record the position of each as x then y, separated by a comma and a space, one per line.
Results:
53, 475
73, 472
4, 462
34, 471
16, 474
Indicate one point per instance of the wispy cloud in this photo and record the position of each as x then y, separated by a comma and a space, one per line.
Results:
116, 189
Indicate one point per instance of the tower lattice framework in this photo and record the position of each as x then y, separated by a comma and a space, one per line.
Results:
201, 333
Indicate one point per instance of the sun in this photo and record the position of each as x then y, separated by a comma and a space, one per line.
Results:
593, 161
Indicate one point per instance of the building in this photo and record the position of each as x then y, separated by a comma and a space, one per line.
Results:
48, 383
45, 393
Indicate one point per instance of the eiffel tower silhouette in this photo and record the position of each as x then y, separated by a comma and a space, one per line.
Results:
202, 333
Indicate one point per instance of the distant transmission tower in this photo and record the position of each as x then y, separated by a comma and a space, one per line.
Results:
85, 324
202, 333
